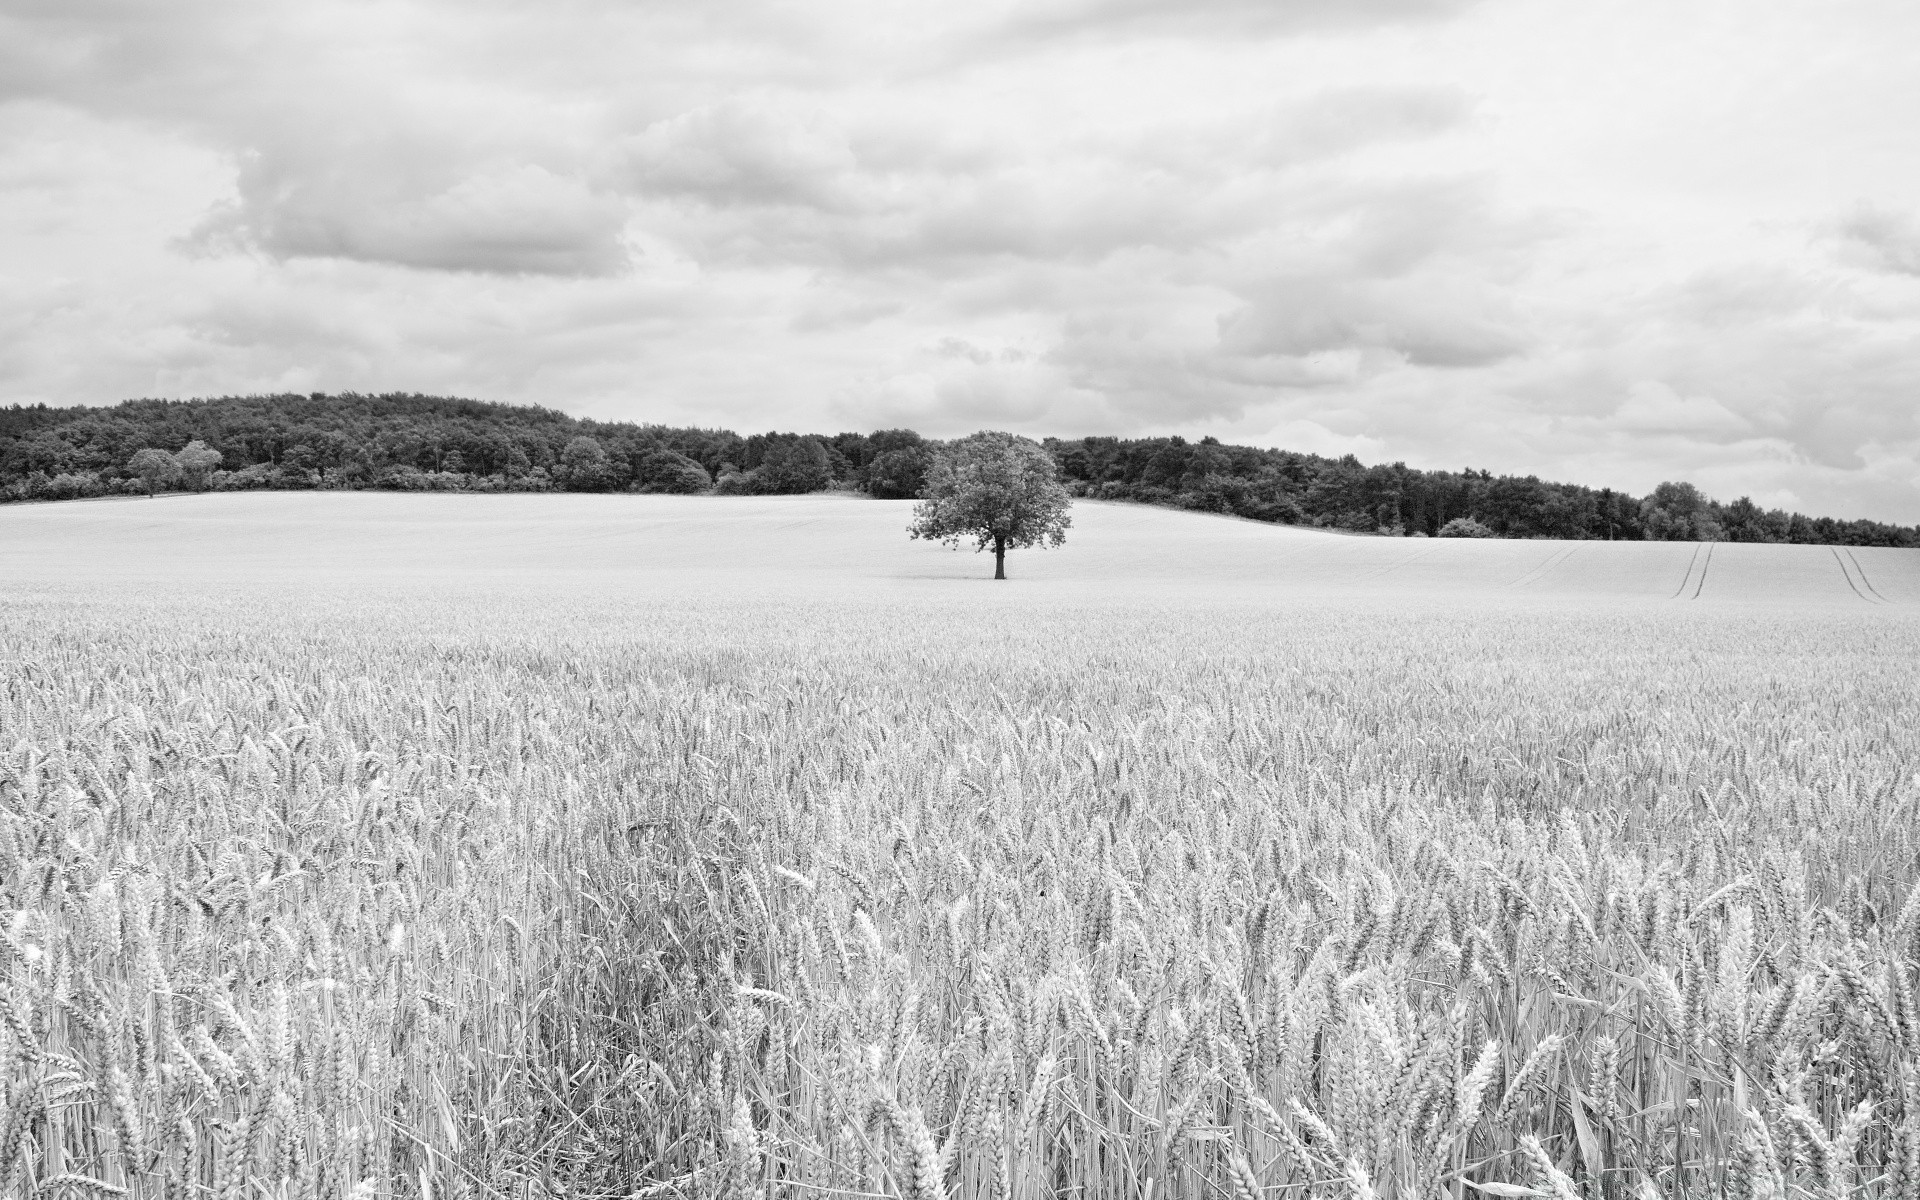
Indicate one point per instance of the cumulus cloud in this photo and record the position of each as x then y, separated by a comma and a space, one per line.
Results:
511, 219
754, 182
332, 156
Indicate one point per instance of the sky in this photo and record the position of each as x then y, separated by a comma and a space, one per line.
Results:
1612, 244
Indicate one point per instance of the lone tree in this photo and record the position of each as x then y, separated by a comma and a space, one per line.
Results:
195, 459
1000, 490
154, 467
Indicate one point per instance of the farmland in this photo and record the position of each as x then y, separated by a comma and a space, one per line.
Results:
607, 846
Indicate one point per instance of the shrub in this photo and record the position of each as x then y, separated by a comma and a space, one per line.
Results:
1465, 527
663, 470
69, 485
735, 482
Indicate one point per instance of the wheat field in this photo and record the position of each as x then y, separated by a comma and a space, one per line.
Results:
382, 863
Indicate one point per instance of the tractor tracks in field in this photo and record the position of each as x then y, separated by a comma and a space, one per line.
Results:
1699, 582
1397, 563
1539, 572
1856, 577
1864, 581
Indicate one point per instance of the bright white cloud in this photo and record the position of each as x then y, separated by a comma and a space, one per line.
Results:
1615, 244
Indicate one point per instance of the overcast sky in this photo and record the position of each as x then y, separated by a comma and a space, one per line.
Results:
1613, 243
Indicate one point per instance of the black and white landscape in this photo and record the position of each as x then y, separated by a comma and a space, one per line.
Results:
1446, 724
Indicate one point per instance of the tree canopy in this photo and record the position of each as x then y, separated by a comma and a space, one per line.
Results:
197, 458
998, 489
153, 467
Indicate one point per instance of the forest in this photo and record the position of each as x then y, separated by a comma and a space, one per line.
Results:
429, 443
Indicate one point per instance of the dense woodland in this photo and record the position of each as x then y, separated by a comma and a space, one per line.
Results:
431, 443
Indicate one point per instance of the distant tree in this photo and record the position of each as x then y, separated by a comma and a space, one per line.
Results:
1616, 515
665, 471
789, 467
1267, 498
882, 440
899, 474
42, 451
1512, 505
1000, 490
301, 459
516, 462
154, 467
896, 464
1075, 462
851, 449
585, 465
1677, 512
1344, 496
1167, 464
1744, 521
1465, 527
331, 452
196, 459
839, 466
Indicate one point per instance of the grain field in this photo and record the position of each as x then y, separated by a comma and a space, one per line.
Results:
415, 880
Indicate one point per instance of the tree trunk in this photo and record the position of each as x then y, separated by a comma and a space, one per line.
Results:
999, 556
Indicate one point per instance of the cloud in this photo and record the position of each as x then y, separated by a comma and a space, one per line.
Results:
1340, 120
744, 183
1312, 437
756, 179
944, 395
1739, 297
1652, 406
832, 313
1109, 19
746, 153
1434, 322
1418, 274
1151, 373
511, 219
1882, 239
332, 155
1814, 362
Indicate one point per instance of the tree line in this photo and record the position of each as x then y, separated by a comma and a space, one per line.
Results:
411, 442
1342, 493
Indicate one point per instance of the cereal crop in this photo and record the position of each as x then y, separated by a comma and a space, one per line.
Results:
566, 886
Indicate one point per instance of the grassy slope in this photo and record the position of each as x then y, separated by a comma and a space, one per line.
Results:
831, 545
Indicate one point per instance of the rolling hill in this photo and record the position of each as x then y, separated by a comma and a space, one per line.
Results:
827, 545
